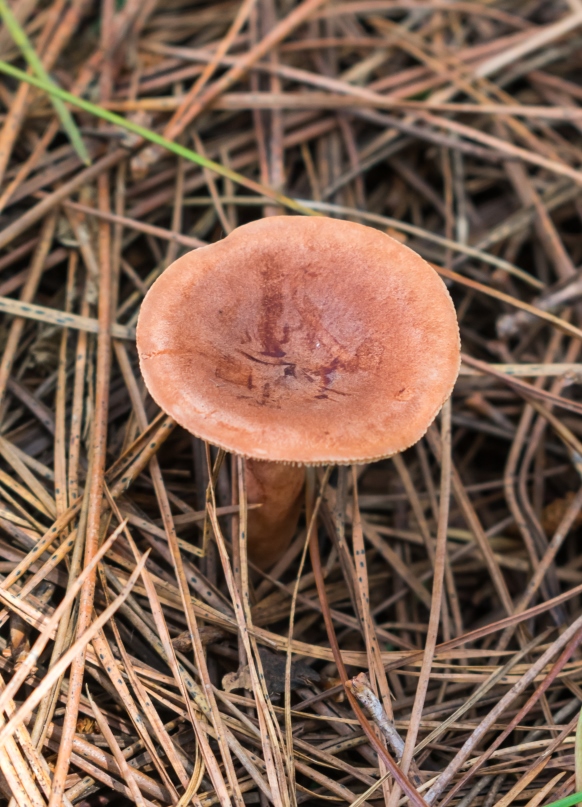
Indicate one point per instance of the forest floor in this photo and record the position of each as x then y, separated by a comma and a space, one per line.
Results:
456, 128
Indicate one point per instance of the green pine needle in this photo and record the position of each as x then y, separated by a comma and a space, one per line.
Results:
154, 137
568, 801
21, 41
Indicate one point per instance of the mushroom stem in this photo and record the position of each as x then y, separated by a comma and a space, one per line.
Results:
277, 488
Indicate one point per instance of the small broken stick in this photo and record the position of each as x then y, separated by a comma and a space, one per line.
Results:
208, 635
361, 689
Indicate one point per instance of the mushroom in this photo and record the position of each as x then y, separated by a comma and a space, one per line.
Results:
299, 341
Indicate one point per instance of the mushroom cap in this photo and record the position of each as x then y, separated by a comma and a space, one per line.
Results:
303, 340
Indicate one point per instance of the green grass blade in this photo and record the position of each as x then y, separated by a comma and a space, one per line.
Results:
21, 40
568, 801
154, 137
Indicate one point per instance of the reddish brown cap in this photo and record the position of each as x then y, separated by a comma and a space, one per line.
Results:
298, 339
